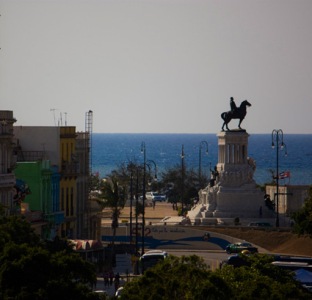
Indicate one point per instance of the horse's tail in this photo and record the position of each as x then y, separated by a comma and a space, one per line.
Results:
223, 116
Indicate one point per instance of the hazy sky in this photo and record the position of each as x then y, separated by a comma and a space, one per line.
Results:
157, 66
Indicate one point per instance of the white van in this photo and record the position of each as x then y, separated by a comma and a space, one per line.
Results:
151, 258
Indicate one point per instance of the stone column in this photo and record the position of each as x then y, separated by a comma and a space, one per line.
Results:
237, 194
233, 147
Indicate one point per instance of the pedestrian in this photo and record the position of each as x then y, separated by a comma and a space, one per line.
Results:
111, 277
117, 281
106, 279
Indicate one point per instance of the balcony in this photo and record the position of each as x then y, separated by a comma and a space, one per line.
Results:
30, 156
69, 169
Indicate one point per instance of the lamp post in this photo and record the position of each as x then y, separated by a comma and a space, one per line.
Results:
143, 150
278, 137
202, 143
136, 219
131, 203
182, 178
138, 168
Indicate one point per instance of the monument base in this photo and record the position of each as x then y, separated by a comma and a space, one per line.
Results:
232, 192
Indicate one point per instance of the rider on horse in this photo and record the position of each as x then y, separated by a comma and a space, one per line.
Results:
233, 105
235, 113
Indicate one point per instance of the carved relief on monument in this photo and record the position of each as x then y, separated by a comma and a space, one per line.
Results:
235, 176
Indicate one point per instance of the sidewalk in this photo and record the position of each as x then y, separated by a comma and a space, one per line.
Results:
123, 261
152, 215
123, 267
161, 210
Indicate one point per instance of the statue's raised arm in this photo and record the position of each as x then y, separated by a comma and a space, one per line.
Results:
235, 113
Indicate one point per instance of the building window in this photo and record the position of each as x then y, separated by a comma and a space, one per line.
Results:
67, 202
62, 199
72, 202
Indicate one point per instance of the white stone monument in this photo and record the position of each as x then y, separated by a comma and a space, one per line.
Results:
232, 191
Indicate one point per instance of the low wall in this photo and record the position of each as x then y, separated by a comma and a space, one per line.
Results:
169, 237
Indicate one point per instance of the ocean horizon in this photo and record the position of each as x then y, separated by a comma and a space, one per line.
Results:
110, 150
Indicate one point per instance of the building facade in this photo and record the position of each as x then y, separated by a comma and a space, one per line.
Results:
40, 183
68, 157
7, 162
291, 197
83, 207
68, 184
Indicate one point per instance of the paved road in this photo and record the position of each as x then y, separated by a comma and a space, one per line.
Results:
176, 240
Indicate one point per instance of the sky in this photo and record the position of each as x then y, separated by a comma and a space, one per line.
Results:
157, 66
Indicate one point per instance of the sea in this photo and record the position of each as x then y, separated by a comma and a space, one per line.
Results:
109, 151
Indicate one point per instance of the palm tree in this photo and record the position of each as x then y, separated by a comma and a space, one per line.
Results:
114, 197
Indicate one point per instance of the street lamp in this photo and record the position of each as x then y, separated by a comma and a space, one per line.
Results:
143, 150
202, 143
182, 178
278, 137
131, 203
138, 168
136, 218
131, 167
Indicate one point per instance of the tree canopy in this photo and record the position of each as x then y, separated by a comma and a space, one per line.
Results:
179, 185
113, 196
186, 182
34, 269
189, 278
303, 217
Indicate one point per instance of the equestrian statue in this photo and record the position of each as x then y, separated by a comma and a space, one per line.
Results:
235, 113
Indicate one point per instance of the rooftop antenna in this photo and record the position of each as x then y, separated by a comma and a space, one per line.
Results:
54, 109
65, 118
60, 120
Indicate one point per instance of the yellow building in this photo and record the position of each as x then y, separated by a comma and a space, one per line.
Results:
68, 186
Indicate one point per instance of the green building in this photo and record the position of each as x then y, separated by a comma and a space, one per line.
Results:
37, 193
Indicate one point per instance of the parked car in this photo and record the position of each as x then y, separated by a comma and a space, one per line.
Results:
154, 196
158, 197
239, 247
149, 195
119, 292
151, 258
101, 294
236, 261
259, 224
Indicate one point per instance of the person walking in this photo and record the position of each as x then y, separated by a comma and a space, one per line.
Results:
106, 279
117, 281
111, 277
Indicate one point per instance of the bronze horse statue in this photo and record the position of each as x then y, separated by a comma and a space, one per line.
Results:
239, 113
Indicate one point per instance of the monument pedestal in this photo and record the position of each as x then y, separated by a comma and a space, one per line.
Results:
232, 192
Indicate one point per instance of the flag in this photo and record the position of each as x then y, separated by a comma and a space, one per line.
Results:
285, 174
